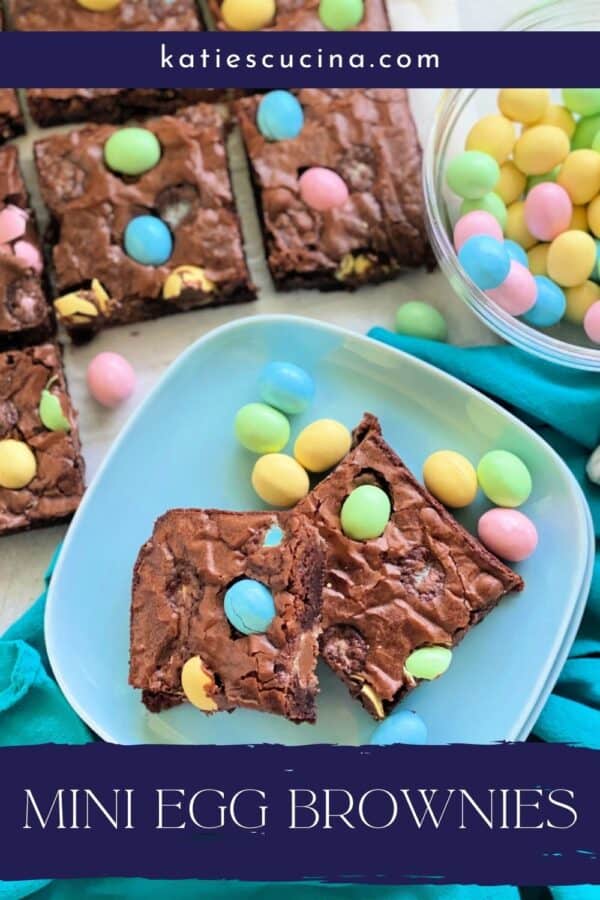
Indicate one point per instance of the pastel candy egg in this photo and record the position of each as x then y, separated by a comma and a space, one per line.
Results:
280, 116
579, 219
508, 533
548, 211
474, 223
132, 151
248, 15
17, 464
261, 429
322, 444
511, 183
593, 216
524, 105
540, 149
273, 537
585, 101
451, 478
571, 258
537, 258
403, 727
29, 255
365, 513
591, 323
580, 176
340, 15
110, 379
472, 174
286, 387
534, 180
148, 241
13, 222
485, 261
579, 300
516, 227
559, 116
504, 478
322, 189
419, 319
198, 685
249, 606
550, 304
494, 135
50, 411
99, 5
428, 662
279, 480
517, 294
585, 132
490, 203
516, 253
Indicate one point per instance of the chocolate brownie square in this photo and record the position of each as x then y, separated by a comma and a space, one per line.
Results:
11, 117
425, 582
128, 15
189, 189
177, 613
303, 15
25, 314
367, 137
54, 492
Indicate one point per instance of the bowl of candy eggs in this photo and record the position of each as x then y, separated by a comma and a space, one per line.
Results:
512, 192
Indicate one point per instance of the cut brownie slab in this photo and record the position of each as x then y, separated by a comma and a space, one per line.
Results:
11, 117
128, 15
177, 613
54, 492
368, 138
91, 206
303, 15
25, 314
425, 582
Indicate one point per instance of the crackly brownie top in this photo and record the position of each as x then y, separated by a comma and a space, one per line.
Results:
56, 489
129, 15
9, 105
180, 579
368, 137
424, 582
189, 189
303, 15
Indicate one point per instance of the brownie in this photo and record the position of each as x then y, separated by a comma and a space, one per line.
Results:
11, 117
426, 581
128, 15
25, 314
54, 493
180, 579
90, 207
368, 137
303, 15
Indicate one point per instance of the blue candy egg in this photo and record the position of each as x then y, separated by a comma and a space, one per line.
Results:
286, 386
148, 241
249, 606
516, 253
273, 537
402, 727
485, 260
549, 306
280, 116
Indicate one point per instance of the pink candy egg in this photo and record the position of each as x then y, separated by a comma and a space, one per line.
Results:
475, 223
29, 254
322, 189
591, 322
110, 378
548, 211
517, 294
508, 533
13, 222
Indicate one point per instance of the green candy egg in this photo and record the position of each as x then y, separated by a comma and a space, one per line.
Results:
50, 410
472, 174
585, 101
534, 180
428, 662
504, 478
339, 15
261, 429
421, 320
365, 513
491, 203
585, 132
132, 151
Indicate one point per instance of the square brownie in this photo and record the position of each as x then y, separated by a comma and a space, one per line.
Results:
368, 137
90, 207
11, 117
177, 613
425, 582
128, 15
54, 493
25, 314
303, 15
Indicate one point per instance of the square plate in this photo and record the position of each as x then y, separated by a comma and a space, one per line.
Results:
179, 450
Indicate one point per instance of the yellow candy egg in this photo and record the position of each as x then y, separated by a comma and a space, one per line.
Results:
516, 229
579, 219
580, 176
198, 684
248, 15
494, 135
526, 105
99, 5
579, 300
540, 149
593, 216
571, 258
322, 444
538, 259
559, 116
17, 464
279, 480
451, 478
511, 184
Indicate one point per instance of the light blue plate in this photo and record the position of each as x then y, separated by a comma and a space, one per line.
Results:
179, 450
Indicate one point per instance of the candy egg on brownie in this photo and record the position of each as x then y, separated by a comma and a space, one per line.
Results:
99, 5
365, 513
340, 15
132, 151
322, 189
280, 116
13, 222
428, 663
148, 241
249, 606
18, 464
248, 15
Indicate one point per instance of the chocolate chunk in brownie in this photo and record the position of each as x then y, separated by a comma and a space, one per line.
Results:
25, 314
128, 15
368, 138
96, 282
57, 487
180, 579
425, 582
303, 15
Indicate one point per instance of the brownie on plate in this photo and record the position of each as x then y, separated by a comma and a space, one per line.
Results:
425, 582
180, 579
56, 488
25, 314
367, 137
128, 15
303, 15
91, 206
